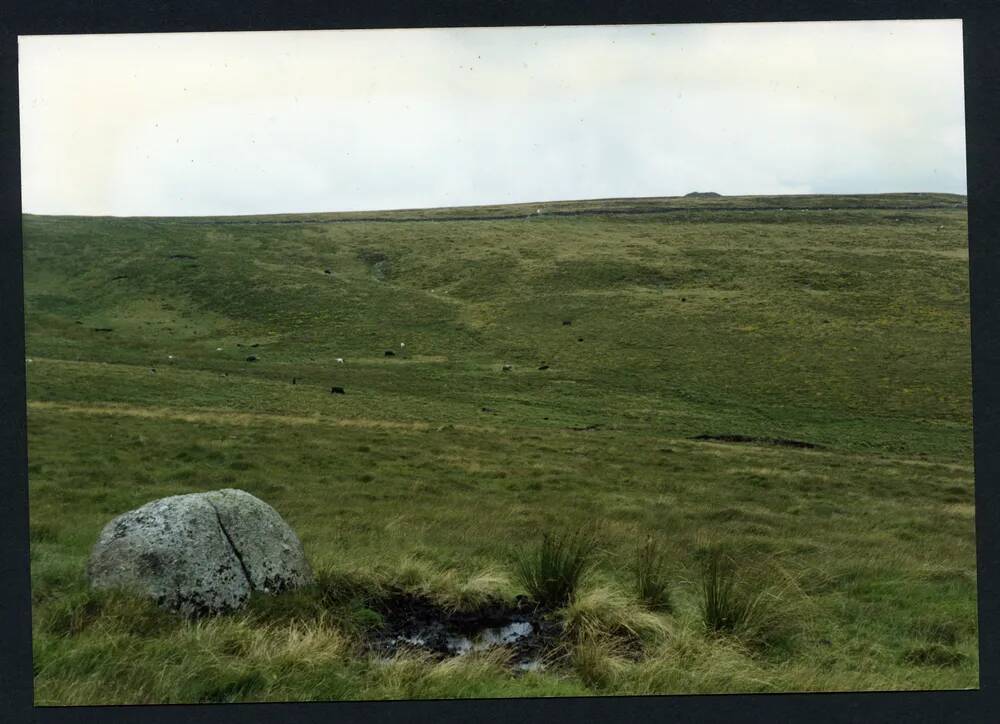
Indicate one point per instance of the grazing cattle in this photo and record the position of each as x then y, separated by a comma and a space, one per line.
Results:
326, 271
567, 322
218, 349
340, 360
28, 360
402, 344
579, 339
390, 353
683, 299
507, 368
488, 409
255, 344
152, 370
543, 367
337, 391
170, 356
293, 380
252, 358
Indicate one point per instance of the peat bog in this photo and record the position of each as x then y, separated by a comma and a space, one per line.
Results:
527, 631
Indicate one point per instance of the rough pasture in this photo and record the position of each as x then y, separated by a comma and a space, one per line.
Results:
688, 343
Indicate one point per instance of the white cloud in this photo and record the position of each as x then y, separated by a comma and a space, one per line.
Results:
339, 120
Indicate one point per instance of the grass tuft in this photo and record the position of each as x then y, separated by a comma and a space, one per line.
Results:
552, 572
607, 613
650, 576
737, 603
599, 661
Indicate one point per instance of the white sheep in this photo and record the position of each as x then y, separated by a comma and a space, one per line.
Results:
170, 356
340, 360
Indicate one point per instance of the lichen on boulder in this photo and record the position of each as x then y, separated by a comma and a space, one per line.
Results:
202, 553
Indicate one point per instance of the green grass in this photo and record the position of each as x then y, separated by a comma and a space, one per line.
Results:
846, 328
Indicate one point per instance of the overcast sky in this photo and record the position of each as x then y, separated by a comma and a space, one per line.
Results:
243, 123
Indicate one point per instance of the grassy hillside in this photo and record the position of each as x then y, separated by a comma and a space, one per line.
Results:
837, 321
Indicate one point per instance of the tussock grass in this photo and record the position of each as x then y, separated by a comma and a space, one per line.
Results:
606, 612
553, 571
650, 571
447, 587
762, 607
417, 675
688, 660
599, 661
606, 631
487, 586
300, 644
337, 585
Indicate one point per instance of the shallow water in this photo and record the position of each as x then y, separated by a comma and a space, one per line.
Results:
458, 645
479, 641
417, 622
488, 637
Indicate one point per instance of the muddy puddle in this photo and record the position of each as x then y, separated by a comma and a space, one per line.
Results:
417, 623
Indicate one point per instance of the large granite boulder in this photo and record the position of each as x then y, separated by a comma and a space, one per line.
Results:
200, 553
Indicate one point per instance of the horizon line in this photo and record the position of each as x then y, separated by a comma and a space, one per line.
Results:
490, 205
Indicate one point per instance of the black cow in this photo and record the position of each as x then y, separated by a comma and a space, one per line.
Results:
252, 358
337, 391
390, 353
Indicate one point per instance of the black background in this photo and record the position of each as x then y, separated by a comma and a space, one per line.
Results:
982, 77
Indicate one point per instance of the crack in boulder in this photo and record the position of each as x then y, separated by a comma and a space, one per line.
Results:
232, 546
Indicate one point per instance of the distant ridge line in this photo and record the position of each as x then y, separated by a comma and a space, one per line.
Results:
516, 217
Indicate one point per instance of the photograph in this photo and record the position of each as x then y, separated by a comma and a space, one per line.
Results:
498, 362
